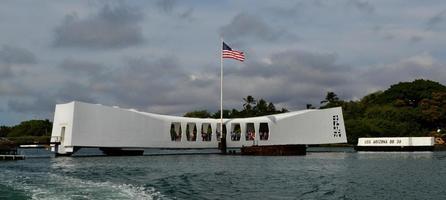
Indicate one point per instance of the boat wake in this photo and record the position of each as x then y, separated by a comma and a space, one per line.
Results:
55, 186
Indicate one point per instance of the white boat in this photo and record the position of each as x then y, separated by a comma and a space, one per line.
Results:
396, 144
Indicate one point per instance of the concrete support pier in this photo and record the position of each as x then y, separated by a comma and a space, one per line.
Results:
122, 152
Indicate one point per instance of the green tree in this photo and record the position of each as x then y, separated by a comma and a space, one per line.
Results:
4, 131
411, 93
226, 114
32, 128
198, 114
310, 106
331, 100
261, 108
433, 110
249, 102
405, 109
271, 108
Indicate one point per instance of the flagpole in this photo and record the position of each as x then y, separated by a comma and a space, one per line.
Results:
223, 137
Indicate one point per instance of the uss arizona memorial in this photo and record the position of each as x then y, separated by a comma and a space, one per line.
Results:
79, 125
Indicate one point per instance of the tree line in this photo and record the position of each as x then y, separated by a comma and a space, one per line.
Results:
251, 108
32, 131
416, 108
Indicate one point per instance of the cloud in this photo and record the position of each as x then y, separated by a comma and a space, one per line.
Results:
158, 85
16, 55
407, 69
140, 82
415, 38
37, 105
186, 14
166, 5
363, 6
44, 102
81, 67
172, 8
435, 20
249, 26
112, 27
292, 77
12, 57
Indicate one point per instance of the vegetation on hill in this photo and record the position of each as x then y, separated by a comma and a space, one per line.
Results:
415, 108
32, 131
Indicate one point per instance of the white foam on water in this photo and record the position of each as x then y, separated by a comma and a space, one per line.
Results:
54, 186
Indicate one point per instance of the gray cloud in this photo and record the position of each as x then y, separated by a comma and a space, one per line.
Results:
292, 77
81, 67
38, 105
166, 5
140, 82
16, 55
11, 56
415, 38
408, 69
186, 14
295, 77
250, 26
5, 70
171, 7
75, 91
115, 27
43, 102
433, 22
363, 6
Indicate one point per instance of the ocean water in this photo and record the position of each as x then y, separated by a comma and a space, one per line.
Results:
325, 173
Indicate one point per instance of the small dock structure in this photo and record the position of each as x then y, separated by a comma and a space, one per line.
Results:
12, 157
8, 150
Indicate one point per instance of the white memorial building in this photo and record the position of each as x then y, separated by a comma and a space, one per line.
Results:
83, 125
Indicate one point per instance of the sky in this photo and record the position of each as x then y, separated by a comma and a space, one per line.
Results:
163, 56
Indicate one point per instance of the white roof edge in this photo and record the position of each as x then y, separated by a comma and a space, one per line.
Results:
280, 115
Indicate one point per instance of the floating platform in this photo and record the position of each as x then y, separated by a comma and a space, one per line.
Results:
274, 150
396, 144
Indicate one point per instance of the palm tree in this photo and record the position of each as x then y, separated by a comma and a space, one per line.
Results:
330, 98
249, 102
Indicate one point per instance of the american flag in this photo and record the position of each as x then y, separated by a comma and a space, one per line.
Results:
229, 53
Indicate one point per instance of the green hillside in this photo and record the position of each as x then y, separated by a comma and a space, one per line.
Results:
415, 108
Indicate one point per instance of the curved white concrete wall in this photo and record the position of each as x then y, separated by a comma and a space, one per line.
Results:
92, 125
